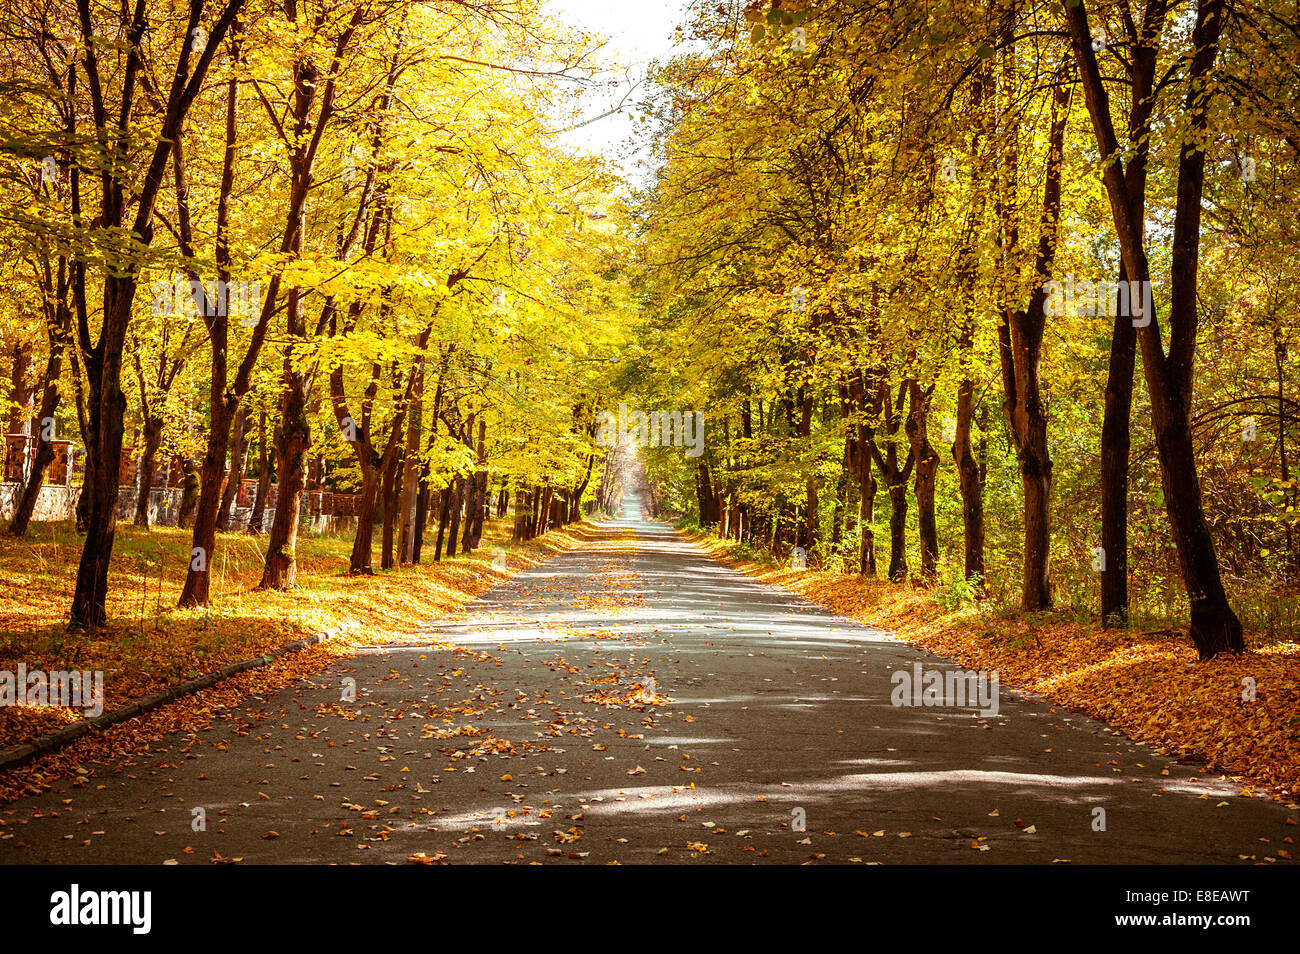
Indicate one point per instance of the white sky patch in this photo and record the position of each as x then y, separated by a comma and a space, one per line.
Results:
637, 31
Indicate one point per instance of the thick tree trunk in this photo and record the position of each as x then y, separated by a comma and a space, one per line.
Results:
866, 517
521, 515
1036, 479
898, 532
1115, 426
107, 413
359, 562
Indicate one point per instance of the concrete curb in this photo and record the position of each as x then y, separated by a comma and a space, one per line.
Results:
44, 744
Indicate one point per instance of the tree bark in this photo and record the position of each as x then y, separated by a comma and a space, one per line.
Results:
1115, 427
153, 428
238, 464
927, 466
1214, 628
1020, 338
457, 497
392, 493
103, 359
263, 477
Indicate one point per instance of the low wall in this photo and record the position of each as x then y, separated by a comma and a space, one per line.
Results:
59, 502
163, 505
55, 501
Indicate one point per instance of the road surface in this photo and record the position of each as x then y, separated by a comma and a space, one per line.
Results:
638, 702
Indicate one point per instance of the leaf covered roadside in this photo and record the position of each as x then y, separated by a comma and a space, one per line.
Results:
141, 652
1147, 684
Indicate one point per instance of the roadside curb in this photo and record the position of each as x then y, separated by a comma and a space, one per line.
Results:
52, 741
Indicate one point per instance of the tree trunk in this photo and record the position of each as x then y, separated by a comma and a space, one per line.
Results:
153, 428
927, 466
457, 499
421, 520
238, 464
104, 358
544, 511
898, 532
19, 391
263, 479
411, 470
866, 517
281, 570
204, 539
481, 483
392, 493
972, 489
1115, 427
1214, 628
471, 494
107, 413
521, 518
359, 562
1115, 444
1020, 339
444, 515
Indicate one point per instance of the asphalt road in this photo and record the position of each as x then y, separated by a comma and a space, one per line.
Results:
767, 735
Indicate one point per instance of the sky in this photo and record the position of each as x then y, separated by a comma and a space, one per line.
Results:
638, 32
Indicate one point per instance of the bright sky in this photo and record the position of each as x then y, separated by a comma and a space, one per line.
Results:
638, 31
